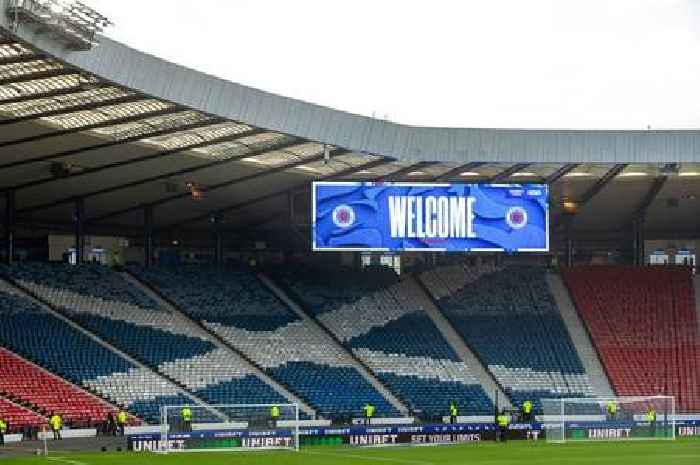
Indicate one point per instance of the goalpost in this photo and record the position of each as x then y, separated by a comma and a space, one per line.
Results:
229, 427
610, 418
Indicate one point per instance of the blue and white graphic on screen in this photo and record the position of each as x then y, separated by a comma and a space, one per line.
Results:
423, 216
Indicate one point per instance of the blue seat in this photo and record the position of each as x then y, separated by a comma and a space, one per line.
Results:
510, 320
334, 391
49, 342
412, 335
228, 296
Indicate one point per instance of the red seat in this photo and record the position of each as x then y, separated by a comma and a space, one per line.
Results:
18, 417
45, 392
643, 322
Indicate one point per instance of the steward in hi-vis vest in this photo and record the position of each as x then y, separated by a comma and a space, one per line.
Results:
454, 412
3, 429
527, 411
502, 420
368, 410
186, 415
611, 409
274, 415
122, 417
56, 424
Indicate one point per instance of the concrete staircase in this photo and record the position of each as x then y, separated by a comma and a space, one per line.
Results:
351, 359
580, 337
15, 288
487, 381
199, 330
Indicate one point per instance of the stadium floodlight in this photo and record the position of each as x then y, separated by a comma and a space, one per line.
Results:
610, 418
76, 24
241, 427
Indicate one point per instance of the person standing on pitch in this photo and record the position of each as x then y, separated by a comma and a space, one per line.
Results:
56, 423
3, 429
122, 417
651, 418
502, 421
186, 415
611, 410
110, 425
454, 412
274, 416
368, 410
526, 411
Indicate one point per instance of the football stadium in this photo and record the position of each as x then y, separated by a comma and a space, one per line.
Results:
193, 269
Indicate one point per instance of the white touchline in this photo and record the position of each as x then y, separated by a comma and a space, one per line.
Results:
365, 457
65, 460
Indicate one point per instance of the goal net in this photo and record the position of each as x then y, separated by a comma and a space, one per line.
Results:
609, 419
194, 428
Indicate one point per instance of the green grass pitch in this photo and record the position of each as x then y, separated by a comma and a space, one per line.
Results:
680, 452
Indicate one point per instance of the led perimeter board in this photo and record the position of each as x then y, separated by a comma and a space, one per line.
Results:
355, 216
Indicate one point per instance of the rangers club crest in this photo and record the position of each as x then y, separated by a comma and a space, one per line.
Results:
343, 216
516, 217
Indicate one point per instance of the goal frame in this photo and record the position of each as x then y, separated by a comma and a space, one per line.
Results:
215, 408
619, 400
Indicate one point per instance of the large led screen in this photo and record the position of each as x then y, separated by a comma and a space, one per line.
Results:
430, 217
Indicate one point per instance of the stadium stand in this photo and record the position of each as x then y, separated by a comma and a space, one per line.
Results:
382, 322
18, 417
102, 301
518, 334
37, 335
27, 384
235, 305
644, 325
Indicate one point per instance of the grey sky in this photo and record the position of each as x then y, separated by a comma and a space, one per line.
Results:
489, 63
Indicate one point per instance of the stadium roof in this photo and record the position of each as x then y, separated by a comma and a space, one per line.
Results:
124, 130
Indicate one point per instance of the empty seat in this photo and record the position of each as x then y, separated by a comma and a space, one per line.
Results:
644, 324
509, 319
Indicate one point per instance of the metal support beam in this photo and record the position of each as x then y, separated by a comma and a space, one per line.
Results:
456, 171
639, 217
147, 236
642, 237
55, 92
87, 127
592, 191
254, 200
9, 226
113, 143
212, 187
290, 201
138, 182
508, 172
79, 230
561, 172
72, 109
396, 175
35, 75
569, 241
654, 190
600, 184
637, 244
25, 58
216, 221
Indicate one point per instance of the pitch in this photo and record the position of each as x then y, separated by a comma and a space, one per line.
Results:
680, 452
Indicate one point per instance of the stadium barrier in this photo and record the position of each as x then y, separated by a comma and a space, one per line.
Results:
144, 429
13, 438
369, 436
70, 433
470, 419
386, 421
